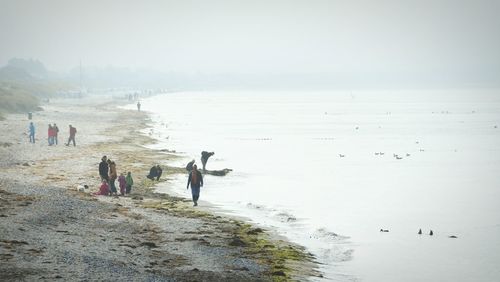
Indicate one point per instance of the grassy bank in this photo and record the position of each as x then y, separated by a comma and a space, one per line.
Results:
17, 97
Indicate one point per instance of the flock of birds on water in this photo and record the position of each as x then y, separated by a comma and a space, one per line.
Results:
431, 233
396, 156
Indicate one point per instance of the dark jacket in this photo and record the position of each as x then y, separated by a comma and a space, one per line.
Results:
205, 155
199, 179
189, 166
153, 172
103, 168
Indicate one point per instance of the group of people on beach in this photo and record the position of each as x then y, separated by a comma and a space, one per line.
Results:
108, 174
52, 134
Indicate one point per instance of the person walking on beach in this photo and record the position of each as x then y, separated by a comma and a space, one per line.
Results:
55, 132
204, 158
129, 182
72, 133
112, 177
122, 182
196, 181
32, 132
104, 168
189, 166
138, 106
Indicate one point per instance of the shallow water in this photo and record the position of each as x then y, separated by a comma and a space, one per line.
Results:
288, 174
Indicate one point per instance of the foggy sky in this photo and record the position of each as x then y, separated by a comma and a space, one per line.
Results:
255, 36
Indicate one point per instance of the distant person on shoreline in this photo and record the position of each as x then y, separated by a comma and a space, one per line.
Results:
129, 182
189, 166
50, 135
55, 133
138, 106
112, 177
32, 132
196, 181
104, 168
204, 158
122, 182
72, 133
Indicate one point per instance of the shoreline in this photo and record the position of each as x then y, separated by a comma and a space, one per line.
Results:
199, 244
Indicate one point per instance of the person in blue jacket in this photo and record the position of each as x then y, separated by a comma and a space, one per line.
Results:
32, 132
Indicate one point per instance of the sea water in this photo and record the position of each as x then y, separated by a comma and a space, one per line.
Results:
329, 169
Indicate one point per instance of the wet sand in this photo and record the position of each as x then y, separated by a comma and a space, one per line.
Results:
50, 230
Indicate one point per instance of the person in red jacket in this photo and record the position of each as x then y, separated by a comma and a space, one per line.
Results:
72, 133
50, 135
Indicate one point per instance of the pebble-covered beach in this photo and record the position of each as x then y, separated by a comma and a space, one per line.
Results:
50, 230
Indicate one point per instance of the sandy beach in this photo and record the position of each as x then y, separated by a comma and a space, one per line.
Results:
50, 230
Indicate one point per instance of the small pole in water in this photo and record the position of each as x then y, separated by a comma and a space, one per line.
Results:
420, 231
431, 233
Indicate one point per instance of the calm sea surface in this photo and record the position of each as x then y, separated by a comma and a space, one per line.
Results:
319, 167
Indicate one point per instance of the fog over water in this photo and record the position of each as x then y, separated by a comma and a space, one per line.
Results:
320, 168
356, 41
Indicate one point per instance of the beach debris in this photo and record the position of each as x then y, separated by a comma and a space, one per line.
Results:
452, 236
422, 150
357, 127
237, 242
255, 231
149, 244
399, 158
376, 154
420, 231
384, 230
278, 273
342, 156
221, 172
407, 154
431, 233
